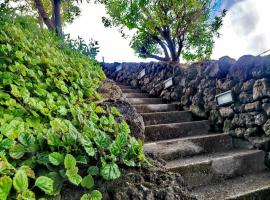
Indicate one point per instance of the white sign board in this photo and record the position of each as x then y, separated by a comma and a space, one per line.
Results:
142, 74
168, 83
118, 68
224, 98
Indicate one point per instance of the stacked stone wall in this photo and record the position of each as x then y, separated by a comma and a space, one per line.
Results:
196, 86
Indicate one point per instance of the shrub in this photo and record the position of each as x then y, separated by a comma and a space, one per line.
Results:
51, 131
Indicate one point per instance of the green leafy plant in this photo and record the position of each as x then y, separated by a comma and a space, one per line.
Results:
91, 49
51, 130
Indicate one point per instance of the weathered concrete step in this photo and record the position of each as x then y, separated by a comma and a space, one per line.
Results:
124, 86
176, 130
131, 90
211, 168
190, 146
136, 95
166, 117
150, 108
249, 187
140, 101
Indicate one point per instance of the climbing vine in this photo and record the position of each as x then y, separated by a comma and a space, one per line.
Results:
51, 130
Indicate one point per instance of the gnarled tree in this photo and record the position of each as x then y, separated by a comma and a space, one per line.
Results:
167, 29
52, 13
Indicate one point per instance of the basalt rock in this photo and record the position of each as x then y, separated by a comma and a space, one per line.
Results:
136, 184
109, 90
226, 112
256, 106
261, 89
266, 127
196, 86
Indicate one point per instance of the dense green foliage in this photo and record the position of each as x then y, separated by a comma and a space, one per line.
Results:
165, 29
90, 49
69, 9
51, 130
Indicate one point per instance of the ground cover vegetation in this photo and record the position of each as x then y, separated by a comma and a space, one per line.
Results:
51, 131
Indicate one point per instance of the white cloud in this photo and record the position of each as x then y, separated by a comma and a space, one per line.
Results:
246, 30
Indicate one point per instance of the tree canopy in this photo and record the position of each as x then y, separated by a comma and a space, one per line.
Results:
167, 29
52, 13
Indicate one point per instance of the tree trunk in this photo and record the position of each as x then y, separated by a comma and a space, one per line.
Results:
157, 57
57, 17
171, 46
43, 14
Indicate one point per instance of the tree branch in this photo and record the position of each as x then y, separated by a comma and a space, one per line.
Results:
43, 14
156, 57
163, 46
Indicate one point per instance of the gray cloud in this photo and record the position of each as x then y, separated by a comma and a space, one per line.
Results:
258, 42
244, 18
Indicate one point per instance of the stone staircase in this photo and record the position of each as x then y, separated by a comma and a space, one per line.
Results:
210, 163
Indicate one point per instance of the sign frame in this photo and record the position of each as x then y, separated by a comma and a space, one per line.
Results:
168, 83
229, 99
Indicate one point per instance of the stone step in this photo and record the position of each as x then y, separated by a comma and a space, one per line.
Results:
176, 130
140, 101
254, 186
124, 86
150, 108
211, 168
137, 95
190, 146
166, 117
131, 91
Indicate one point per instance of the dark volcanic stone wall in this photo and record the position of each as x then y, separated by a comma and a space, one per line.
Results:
196, 86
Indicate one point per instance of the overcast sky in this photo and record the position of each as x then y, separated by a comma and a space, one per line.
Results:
246, 30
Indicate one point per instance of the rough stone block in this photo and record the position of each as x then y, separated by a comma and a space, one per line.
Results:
226, 112
261, 89
256, 106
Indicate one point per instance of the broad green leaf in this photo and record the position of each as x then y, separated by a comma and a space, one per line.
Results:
6, 143
29, 172
88, 146
95, 195
70, 161
20, 181
27, 139
99, 110
54, 140
73, 176
124, 128
110, 171
129, 163
56, 158
15, 91
93, 170
87, 182
82, 160
17, 151
5, 187
45, 184
26, 195
57, 182
115, 112
102, 140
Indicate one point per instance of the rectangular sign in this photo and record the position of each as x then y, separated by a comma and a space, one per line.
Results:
118, 68
224, 98
142, 74
168, 83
